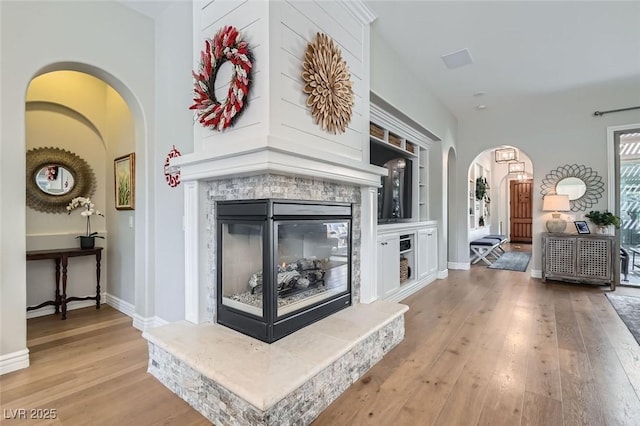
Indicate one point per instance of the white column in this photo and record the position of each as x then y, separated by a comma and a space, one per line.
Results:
191, 252
369, 224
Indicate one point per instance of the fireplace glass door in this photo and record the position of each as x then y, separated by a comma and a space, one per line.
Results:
242, 267
281, 264
311, 262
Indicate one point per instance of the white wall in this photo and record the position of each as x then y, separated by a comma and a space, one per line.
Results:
553, 129
174, 85
276, 114
251, 18
104, 38
120, 242
398, 87
293, 25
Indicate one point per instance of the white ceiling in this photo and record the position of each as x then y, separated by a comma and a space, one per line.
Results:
518, 47
150, 8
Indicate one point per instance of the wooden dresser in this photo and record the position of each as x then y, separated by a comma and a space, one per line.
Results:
581, 258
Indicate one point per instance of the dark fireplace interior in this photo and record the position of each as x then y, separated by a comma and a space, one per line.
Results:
281, 264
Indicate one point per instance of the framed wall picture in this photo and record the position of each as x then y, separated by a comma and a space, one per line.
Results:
124, 169
582, 227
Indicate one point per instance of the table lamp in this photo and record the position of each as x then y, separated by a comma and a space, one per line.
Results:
556, 203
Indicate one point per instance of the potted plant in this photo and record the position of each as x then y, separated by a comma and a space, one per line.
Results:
87, 241
482, 187
603, 219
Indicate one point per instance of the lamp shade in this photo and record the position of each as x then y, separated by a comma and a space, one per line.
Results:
556, 203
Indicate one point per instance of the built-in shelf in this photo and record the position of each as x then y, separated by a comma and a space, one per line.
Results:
478, 208
387, 131
393, 147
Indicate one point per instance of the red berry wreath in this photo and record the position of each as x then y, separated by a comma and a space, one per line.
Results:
225, 46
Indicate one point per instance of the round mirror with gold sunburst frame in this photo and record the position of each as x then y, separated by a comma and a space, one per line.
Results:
52, 164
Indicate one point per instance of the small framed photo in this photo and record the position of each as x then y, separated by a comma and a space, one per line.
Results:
124, 169
582, 227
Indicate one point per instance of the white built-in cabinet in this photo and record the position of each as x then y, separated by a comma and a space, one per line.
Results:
407, 251
388, 264
414, 245
422, 184
428, 249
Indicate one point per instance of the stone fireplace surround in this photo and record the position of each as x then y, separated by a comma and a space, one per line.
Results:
231, 378
284, 187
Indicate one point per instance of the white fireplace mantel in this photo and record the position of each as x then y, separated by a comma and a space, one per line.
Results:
269, 159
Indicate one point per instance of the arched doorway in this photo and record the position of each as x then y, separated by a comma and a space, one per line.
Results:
82, 115
499, 194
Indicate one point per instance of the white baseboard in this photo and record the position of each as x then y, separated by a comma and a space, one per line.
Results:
462, 266
14, 361
125, 307
408, 289
142, 323
139, 322
536, 273
441, 275
76, 304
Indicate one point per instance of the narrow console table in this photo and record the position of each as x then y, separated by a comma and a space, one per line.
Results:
61, 257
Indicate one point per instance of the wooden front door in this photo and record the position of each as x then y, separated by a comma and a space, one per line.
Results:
520, 211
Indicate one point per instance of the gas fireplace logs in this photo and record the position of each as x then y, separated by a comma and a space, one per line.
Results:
293, 276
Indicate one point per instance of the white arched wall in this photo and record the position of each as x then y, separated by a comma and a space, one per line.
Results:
38, 37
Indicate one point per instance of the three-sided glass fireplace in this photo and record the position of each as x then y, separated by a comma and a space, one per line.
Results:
282, 264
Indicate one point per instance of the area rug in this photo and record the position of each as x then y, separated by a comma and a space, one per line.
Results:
512, 261
628, 309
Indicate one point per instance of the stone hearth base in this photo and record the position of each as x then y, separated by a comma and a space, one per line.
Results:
233, 379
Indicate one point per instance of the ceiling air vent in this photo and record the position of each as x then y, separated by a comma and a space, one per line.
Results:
457, 59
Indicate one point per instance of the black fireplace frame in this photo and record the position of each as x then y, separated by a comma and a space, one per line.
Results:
267, 212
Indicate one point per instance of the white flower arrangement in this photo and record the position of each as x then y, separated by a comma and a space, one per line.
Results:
88, 211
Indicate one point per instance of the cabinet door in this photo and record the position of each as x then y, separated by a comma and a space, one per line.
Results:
388, 264
427, 252
423, 253
559, 256
432, 251
594, 258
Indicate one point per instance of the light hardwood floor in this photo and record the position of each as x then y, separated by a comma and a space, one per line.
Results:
481, 347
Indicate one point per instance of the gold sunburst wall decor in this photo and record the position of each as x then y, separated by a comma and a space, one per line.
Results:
328, 84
